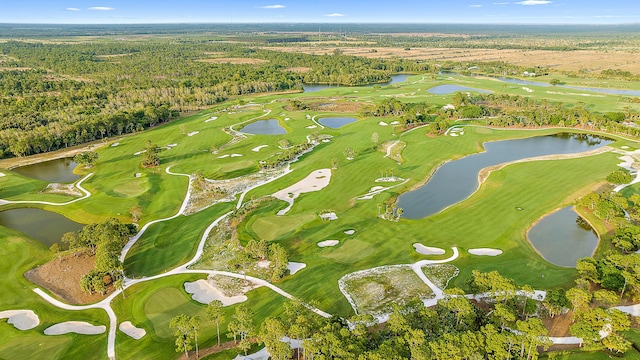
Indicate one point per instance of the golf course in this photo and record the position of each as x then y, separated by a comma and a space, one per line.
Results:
345, 201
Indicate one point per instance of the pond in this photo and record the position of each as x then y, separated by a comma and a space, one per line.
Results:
317, 87
457, 180
45, 226
264, 127
53, 171
336, 122
450, 89
563, 237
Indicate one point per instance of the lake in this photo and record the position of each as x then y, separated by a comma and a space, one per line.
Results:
45, 226
457, 180
317, 87
336, 122
53, 171
450, 89
563, 237
264, 127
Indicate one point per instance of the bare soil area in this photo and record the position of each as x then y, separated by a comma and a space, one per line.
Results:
578, 60
559, 325
242, 61
62, 278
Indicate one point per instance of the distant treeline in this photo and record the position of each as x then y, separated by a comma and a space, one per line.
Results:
58, 95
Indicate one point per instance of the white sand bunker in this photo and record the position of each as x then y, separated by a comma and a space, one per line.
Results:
139, 152
115, 144
223, 156
258, 148
203, 292
193, 133
428, 250
315, 181
21, 319
624, 147
329, 216
311, 127
2, 174
236, 155
294, 267
260, 355
633, 310
485, 252
263, 264
350, 232
326, 140
527, 89
78, 327
382, 123
328, 243
213, 118
172, 145
134, 332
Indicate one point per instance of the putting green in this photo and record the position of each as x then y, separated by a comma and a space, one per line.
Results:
165, 304
349, 251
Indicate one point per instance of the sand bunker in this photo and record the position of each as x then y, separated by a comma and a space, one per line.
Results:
193, 133
258, 148
213, 118
115, 144
328, 243
236, 155
260, 355
223, 156
382, 123
329, 216
627, 164
203, 292
139, 152
134, 332
315, 181
294, 267
350, 232
326, 141
485, 252
263, 264
428, 250
2, 174
21, 319
78, 327
172, 145
311, 127
287, 119
633, 310
527, 89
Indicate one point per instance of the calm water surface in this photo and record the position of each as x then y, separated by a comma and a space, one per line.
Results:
264, 127
53, 171
336, 122
317, 87
45, 226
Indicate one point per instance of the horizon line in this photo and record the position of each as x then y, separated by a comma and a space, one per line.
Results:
327, 23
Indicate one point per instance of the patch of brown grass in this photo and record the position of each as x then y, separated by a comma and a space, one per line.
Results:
299, 69
62, 278
241, 61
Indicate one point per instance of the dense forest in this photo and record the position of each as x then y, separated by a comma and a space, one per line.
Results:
54, 95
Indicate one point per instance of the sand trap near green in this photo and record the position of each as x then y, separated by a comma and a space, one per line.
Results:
133, 332
204, 292
272, 227
78, 327
21, 319
315, 181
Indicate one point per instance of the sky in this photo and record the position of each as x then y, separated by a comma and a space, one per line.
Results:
321, 11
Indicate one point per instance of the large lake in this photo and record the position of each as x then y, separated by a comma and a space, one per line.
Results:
563, 237
264, 127
317, 87
53, 171
457, 180
45, 226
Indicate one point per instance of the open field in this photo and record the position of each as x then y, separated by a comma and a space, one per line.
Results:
488, 218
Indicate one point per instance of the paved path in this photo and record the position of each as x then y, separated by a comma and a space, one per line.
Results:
77, 185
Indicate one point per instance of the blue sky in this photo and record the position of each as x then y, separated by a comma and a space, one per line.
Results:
321, 11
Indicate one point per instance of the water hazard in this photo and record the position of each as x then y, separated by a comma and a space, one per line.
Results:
563, 237
45, 226
53, 171
264, 127
457, 180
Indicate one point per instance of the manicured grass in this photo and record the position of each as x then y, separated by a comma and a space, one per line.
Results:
272, 227
168, 244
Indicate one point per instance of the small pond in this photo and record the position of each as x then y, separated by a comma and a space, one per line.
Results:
450, 89
264, 127
336, 122
53, 171
457, 180
317, 87
563, 237
45, 226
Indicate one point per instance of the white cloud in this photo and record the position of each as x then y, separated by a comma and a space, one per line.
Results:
334, 15
475, 6
273, 6
501, 3
73, 9
534, 2
101, 8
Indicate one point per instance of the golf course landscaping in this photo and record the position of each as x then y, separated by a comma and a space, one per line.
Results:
231, 205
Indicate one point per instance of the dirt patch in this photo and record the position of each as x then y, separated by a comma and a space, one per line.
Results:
62, 278
299, 69
240, 61
559, 326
